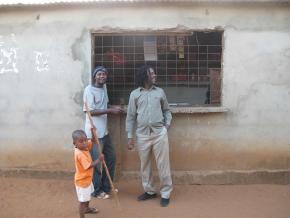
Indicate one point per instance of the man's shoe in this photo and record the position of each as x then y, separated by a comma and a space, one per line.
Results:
116, 191
94, 194
146, 196
164, 202
103, 195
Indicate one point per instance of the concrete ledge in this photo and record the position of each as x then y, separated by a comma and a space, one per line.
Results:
179, 177
35, 173
198, 110
191, 110
223, 177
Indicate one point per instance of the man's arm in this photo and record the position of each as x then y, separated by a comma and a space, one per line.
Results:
130, 121
112, 110
166, 111
89, 99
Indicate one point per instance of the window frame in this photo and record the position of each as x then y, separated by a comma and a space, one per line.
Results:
180, 109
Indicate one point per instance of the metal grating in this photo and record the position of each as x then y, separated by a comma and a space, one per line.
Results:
188, 66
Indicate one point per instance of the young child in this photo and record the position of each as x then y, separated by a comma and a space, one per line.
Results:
84, 171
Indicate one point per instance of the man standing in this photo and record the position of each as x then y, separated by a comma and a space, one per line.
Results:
96, 98
149, 109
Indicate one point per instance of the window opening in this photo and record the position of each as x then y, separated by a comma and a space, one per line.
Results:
188, 66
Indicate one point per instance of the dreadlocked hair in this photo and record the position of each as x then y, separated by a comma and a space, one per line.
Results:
142, 75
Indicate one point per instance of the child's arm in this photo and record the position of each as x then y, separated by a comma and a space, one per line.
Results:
95, 163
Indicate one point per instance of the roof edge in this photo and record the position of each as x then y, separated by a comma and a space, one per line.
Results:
28, 3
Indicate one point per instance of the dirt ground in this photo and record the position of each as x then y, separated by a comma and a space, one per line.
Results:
39, 198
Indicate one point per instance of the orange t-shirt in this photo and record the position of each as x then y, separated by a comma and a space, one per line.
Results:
83, 160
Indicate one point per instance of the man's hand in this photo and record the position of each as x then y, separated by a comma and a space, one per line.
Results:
130, 144
167, 127
93, 130
93, 127
116, 110
101, 158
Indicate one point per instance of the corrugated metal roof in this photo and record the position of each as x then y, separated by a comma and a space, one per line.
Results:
50, 2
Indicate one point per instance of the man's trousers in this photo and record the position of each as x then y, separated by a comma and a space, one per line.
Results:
157, 145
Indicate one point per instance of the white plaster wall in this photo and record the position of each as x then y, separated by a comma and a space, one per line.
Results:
257, 84
45, 64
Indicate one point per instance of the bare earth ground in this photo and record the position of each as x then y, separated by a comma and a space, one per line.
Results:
39, 198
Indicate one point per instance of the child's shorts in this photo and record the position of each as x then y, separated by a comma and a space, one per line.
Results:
84, 194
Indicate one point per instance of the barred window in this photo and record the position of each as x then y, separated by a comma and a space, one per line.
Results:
188, 65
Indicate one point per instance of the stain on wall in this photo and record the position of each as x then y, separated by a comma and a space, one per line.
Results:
8, 54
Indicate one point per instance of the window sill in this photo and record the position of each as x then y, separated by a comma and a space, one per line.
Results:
191, 110
198, 110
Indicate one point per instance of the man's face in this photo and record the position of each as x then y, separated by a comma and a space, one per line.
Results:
151, 77
101, 77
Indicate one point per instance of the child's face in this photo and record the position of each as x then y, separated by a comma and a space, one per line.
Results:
81, 142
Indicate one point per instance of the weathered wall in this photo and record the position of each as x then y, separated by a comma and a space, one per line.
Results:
45, 61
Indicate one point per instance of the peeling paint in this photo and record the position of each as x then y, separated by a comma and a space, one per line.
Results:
8, 55
78, 54
41, 61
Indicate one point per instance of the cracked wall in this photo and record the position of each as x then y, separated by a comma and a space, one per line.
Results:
45, 60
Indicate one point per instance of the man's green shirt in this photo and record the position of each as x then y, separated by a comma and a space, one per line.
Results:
150, 109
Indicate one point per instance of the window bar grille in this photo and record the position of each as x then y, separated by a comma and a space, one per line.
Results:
177, 67
199, 58
188, 60
113, 67
134, 57
197, 64
123, 69
207, 75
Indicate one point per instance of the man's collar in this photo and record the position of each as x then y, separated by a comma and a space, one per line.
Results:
142, 88
100, 87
